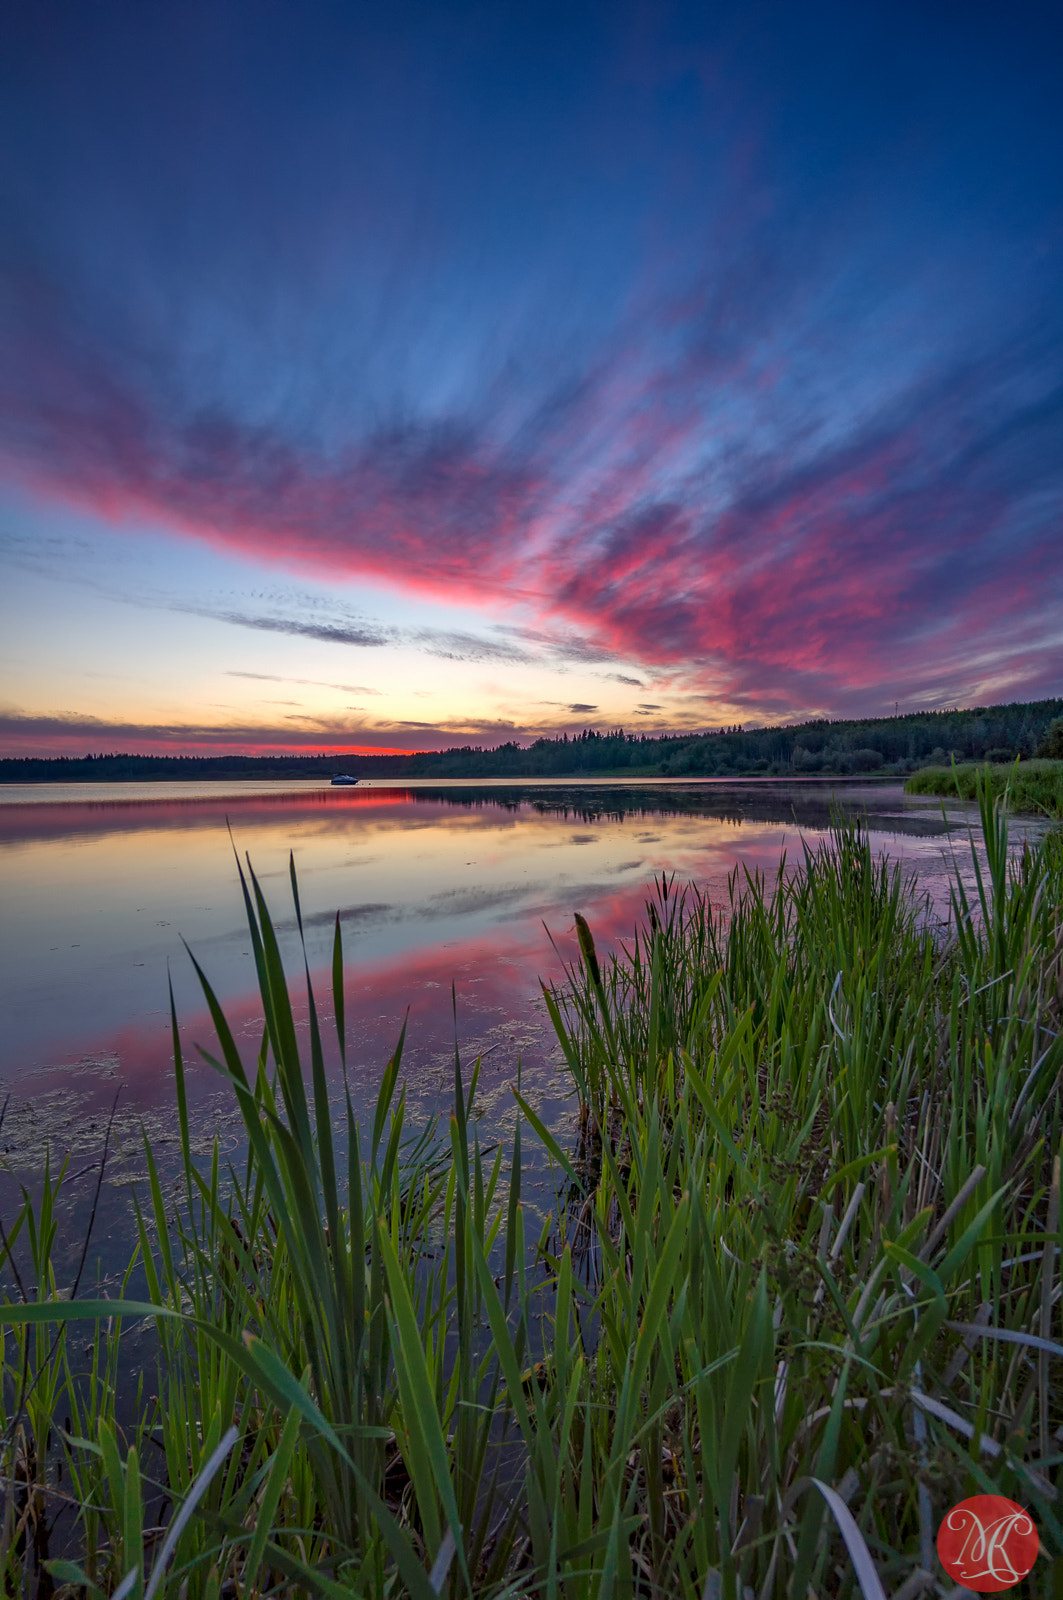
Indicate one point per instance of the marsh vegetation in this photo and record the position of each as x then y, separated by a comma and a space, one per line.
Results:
1034, 786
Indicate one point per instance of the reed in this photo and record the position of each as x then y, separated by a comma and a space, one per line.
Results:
799, 1292
1035, 786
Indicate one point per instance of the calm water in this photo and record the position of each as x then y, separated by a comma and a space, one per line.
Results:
435, 886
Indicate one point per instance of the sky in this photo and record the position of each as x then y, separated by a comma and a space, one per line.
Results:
392, 376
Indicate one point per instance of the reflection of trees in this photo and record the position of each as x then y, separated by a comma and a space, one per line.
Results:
765, 803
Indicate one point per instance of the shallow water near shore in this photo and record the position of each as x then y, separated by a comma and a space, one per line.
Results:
466, 885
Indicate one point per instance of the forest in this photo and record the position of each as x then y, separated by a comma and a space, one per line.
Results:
888, 745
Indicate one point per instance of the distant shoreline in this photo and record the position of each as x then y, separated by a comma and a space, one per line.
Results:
892, 747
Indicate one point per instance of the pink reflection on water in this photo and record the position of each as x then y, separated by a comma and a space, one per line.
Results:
494, 1012
432, 891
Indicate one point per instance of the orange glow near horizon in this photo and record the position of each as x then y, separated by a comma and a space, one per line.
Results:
77, 748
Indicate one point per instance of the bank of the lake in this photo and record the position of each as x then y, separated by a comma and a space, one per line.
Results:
797, 1294
1032, 786
838, 747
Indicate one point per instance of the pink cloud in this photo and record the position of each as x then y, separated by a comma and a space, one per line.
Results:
636, 511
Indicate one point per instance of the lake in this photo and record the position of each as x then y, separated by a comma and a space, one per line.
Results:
437, 886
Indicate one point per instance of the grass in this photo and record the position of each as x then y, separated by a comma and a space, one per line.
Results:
799, 1294
1029, 785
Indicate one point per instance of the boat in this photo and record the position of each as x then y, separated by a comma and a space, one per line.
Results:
341, 780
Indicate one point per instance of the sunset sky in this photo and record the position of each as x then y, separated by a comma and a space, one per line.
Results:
392, 376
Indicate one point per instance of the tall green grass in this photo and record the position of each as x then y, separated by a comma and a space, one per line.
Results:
798, 1295
1035, 786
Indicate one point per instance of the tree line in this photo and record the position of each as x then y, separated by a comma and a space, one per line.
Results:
893, 745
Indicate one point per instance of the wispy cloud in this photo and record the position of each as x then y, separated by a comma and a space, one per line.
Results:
310, 683
294, 612
73, 733
453, 646
298, 627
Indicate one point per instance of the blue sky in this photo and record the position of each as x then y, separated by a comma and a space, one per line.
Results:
523, 368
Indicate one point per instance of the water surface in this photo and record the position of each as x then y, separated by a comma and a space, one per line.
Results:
436, 885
